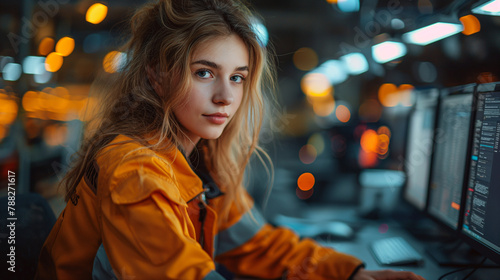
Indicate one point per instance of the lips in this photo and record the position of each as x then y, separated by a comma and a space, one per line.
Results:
222, 115
217, 118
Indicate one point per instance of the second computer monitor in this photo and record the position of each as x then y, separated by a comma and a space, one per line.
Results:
419, 146
449, 156
482, 204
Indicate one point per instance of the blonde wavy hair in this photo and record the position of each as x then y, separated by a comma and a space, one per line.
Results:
163, 38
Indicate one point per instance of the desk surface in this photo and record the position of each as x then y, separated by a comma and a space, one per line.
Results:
371, 230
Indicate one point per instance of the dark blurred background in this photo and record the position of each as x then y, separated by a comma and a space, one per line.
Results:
343, 107
340, 113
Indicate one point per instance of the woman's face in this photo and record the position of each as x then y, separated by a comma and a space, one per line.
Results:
219, 68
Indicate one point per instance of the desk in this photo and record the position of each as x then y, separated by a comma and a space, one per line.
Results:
371, 230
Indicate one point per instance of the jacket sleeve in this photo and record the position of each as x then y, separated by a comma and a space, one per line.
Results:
146, 233
254, 248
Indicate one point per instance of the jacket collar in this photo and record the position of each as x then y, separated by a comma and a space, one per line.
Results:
198, 166
189, 184
191, 174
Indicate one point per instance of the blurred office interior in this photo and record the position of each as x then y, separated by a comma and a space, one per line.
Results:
348, 71
343, 107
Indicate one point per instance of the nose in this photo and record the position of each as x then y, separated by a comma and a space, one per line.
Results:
223, 94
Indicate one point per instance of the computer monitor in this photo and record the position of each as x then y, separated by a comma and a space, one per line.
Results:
450, 155
481, 225
420, 136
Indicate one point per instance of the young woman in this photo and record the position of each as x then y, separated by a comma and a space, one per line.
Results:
156, 192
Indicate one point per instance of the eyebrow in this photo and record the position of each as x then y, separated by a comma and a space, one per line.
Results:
215, 66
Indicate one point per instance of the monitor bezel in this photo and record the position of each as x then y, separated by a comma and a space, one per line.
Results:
477, 245
452, 91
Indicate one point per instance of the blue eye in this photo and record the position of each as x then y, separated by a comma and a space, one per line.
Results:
237, 79
204, 74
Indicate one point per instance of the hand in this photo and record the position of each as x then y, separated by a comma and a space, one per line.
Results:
387, 274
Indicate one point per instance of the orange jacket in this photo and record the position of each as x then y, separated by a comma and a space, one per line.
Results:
138, 218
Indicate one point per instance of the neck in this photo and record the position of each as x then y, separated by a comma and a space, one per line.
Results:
188, 145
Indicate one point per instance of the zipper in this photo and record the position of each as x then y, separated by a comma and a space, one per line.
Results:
202, 204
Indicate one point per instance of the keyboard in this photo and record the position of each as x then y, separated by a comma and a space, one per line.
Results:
395, 251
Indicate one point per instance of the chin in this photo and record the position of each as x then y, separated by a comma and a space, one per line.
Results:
212, 135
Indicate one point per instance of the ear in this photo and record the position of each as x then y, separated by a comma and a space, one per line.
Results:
153, 80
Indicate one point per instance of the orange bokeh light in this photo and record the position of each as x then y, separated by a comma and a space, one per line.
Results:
56, 104
388, 95
55, 134
367, 159
322, 105
471, 24
46, 46
305, 59
369, 141
316, 84
30, 101
96, 13
324, 109
405, 87
3, 132
53, 62
405, 94
343, 113
486, 77
65, 46
305, 181
383, 146
110, 62
8, 111
384, 139
384, 130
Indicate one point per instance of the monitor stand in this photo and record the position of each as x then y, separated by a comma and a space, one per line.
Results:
457, 254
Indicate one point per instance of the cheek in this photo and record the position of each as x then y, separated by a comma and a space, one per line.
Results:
238, 99
191, 98
178, 115
184, 110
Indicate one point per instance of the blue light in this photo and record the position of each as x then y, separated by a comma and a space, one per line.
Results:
43, 77
398, 24
355, 63
334, 70
491, 8
34, 64
348, 6
432, 33
120, 61
12, 71
387, 51
261, 32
